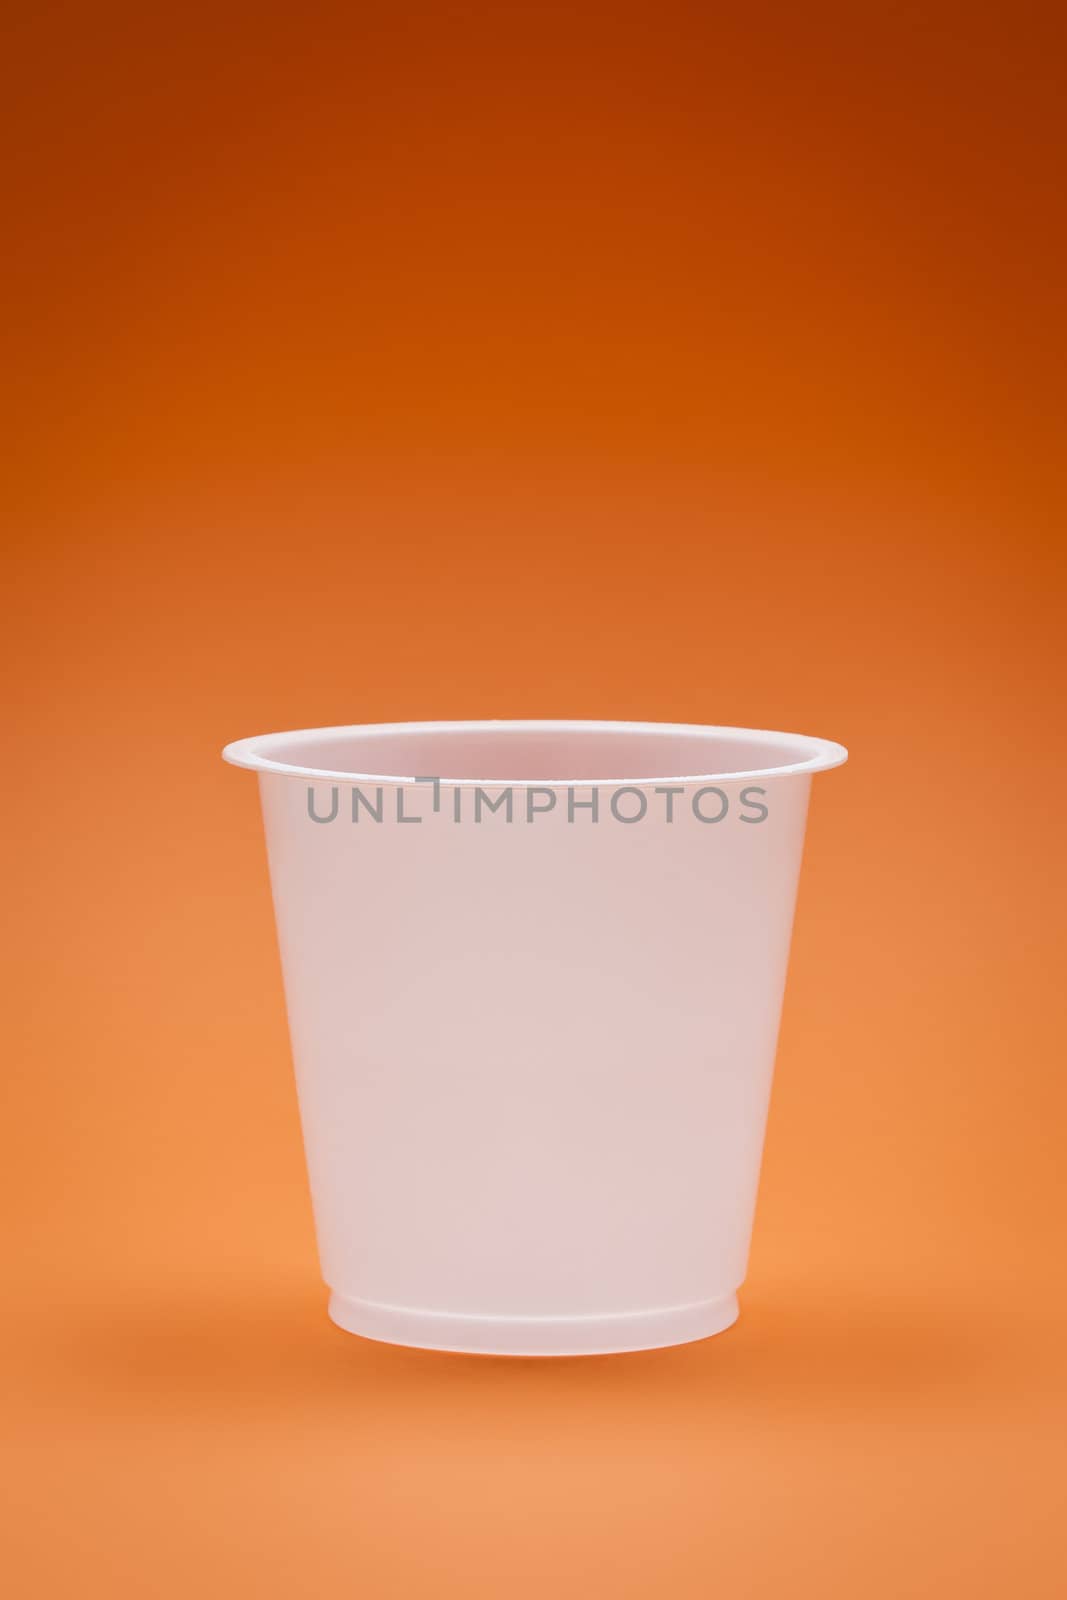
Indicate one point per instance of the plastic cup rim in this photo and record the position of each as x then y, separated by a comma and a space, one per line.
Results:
255, 752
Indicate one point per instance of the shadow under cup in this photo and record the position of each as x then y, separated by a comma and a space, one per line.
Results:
534, 974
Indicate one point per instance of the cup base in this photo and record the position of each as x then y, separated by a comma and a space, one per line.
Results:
534, 1336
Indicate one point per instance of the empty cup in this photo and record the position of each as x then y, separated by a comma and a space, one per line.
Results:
534, 972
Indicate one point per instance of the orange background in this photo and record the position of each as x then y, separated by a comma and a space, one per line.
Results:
659, 361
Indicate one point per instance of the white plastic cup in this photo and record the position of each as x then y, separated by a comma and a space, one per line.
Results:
534, 1051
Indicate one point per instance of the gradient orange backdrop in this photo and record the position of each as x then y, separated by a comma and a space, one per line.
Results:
660, 361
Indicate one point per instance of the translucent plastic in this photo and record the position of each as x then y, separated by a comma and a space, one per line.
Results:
534, 1007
